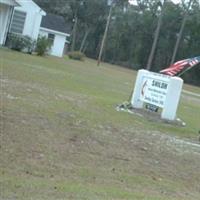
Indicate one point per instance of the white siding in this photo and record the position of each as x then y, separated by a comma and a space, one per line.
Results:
33, 17
58, 44
18, 20
5, 13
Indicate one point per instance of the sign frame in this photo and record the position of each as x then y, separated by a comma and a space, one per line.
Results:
170, 96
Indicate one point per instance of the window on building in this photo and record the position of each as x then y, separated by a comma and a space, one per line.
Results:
18, 20
51, 37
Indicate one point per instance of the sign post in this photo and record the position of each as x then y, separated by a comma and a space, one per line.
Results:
159, 90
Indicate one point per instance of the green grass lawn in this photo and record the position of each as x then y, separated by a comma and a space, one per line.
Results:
61, 137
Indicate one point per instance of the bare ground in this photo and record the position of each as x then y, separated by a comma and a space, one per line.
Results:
61, 137
34, 145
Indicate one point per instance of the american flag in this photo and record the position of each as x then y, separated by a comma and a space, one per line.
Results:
181, 66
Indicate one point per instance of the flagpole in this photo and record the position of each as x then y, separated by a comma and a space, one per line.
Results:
186, 70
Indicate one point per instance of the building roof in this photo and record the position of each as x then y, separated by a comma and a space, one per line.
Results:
55, 22
30, 5
9, 2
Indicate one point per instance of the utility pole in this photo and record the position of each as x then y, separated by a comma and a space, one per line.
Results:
74, 31
180, 33
156, 36
105, 34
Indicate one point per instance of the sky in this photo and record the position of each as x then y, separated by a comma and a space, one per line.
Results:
134, 1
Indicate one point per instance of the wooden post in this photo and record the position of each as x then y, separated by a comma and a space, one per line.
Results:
180, 33
105, 35
156, 36
74, 33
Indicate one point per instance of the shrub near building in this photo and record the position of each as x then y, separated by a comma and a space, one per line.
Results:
76, 55
20, 43
43, 45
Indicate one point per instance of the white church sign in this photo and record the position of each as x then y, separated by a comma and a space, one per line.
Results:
159, 90
154, 89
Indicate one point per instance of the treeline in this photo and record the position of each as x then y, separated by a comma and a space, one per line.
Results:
132, 31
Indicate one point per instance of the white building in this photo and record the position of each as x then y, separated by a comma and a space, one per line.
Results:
55, 28
6, 10
26, 19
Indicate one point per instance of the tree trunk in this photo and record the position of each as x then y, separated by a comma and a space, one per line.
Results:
178, 40
74, 33
156, 36
84, 39
105, 35
180, 34
85, 47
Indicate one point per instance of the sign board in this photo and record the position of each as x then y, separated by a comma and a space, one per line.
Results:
159, 90
154, 89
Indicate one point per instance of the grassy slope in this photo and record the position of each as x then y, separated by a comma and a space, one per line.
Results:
63, 138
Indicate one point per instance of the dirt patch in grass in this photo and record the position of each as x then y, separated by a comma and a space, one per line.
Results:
58, 143
38, 148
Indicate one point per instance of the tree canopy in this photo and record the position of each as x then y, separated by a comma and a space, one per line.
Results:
132, 31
